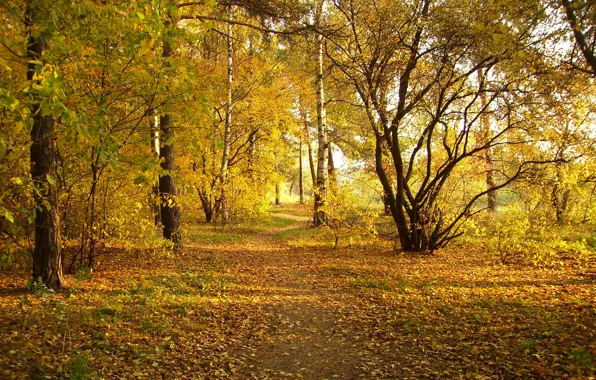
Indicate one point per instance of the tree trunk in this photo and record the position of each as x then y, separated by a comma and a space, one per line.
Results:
229, 104
277, 200
311, 163
252, 152
560, 196
207, 190
485, 135
170, 215
91, 226
311, 160
222, 202
320, 216
155, 148
585, 47
104, 211
394, 197
47, 255
386, 205
207, 206
301, 175
205, 198
331, 168
490, 181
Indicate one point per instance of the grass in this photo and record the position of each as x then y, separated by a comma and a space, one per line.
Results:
204, 233
371, 284
207, 234
306, 236
277, 221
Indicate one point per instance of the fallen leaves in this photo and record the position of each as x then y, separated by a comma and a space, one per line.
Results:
259, 308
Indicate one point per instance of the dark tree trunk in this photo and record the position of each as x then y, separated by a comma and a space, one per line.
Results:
204, 195
484, 137
252, 152
490, 182
207, 206
291, 189
104, 211
562, 207
277, 200
220, 208
560, 197
208, 213
386, 205
47, 258
585, 47
394, 198
170, 215
92, 217
331, 168
311, 164
311, 161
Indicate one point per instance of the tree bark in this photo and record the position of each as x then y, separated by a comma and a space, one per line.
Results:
586, 48
207, 189
252, 152
320, 217
170, 214
311, 161
560, 195
155, 149
47, 255
222, 201
488, 157
92, 212
207, 206
331, 168
393, 198
301, 175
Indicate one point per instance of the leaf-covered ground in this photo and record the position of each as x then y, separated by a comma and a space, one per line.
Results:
277, 301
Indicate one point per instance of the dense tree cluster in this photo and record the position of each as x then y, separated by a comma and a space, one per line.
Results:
118, 119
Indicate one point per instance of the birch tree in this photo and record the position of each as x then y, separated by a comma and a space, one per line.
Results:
322, 181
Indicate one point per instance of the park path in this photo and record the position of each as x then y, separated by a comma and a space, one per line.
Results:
307, 338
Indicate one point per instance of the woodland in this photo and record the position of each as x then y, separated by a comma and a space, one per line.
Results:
315, 189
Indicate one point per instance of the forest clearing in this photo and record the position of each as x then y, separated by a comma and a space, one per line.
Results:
318, 189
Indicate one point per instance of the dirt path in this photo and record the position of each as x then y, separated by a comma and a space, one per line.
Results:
307, 338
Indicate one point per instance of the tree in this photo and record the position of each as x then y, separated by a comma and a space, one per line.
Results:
580, 15
170, 214
110, 97
300, 170
47, 257
418, 83
221, 207
322, 181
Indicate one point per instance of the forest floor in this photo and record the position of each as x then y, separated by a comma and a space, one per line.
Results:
276, 301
